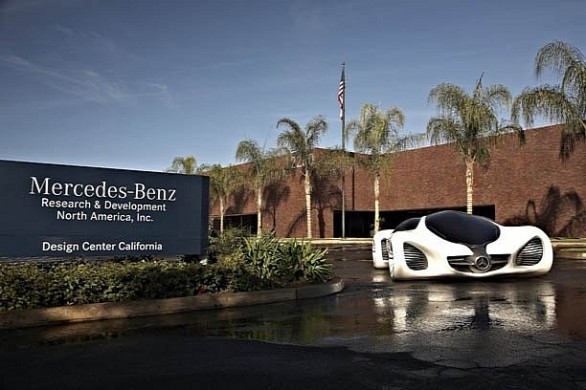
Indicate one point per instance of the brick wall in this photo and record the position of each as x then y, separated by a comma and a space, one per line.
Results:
526, 184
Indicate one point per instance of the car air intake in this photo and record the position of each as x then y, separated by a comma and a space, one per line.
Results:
414, 258
531, 253
383, 248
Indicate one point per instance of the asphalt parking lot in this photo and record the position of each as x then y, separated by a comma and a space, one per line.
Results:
376, 334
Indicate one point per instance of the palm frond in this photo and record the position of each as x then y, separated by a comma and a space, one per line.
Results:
497, 96
448, 98
185, 165
444, 130
558, 56
548, 101
469, 121
248, 151
299, 144
564, 103
314, 130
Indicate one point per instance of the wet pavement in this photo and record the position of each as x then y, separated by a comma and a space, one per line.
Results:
376, 334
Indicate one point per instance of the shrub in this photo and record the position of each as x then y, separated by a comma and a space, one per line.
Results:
227, 247
31, 285
242, 264
304, 262
262, 255
286, 261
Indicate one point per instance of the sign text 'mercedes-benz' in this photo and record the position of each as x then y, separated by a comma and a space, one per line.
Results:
55, 209
102, 190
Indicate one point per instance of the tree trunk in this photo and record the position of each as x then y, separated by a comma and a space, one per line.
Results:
469, 185
307, 183
221, 215
376, 202
259, 212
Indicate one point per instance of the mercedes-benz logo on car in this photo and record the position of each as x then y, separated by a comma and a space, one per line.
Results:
482, 263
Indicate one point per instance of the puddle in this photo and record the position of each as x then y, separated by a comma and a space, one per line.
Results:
372, 309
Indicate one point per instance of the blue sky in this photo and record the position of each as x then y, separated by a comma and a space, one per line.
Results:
132, 84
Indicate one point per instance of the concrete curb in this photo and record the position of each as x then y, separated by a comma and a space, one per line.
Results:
568, 244
114, 310
570, 248
572, 255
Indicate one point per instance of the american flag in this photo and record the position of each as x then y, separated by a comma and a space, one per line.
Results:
341, 93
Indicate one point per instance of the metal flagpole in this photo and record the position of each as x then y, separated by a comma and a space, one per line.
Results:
342, 102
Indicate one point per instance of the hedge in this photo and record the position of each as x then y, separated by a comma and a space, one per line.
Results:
253, 264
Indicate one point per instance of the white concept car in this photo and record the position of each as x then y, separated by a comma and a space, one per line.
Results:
380, 255
457, 245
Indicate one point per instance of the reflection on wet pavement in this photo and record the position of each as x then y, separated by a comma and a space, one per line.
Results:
514, 306
447, 322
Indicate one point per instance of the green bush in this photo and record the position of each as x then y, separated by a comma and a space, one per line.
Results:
286, 261
31, 285
227, 247
304, 263
262, 256
242, 264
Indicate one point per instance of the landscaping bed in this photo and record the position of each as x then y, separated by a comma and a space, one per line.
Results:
235, 264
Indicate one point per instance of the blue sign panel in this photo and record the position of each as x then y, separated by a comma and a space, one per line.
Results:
56, 210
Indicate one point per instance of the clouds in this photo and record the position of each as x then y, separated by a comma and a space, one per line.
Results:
53, 59
171, 78
86, 85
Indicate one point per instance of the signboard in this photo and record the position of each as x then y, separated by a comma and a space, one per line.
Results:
57, 210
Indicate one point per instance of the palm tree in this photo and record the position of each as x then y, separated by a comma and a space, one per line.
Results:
564, 103
377, 137
299, 144
185, 165
263, 170
470, 123
223, 182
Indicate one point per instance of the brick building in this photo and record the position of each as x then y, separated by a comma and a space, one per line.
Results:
526, 184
